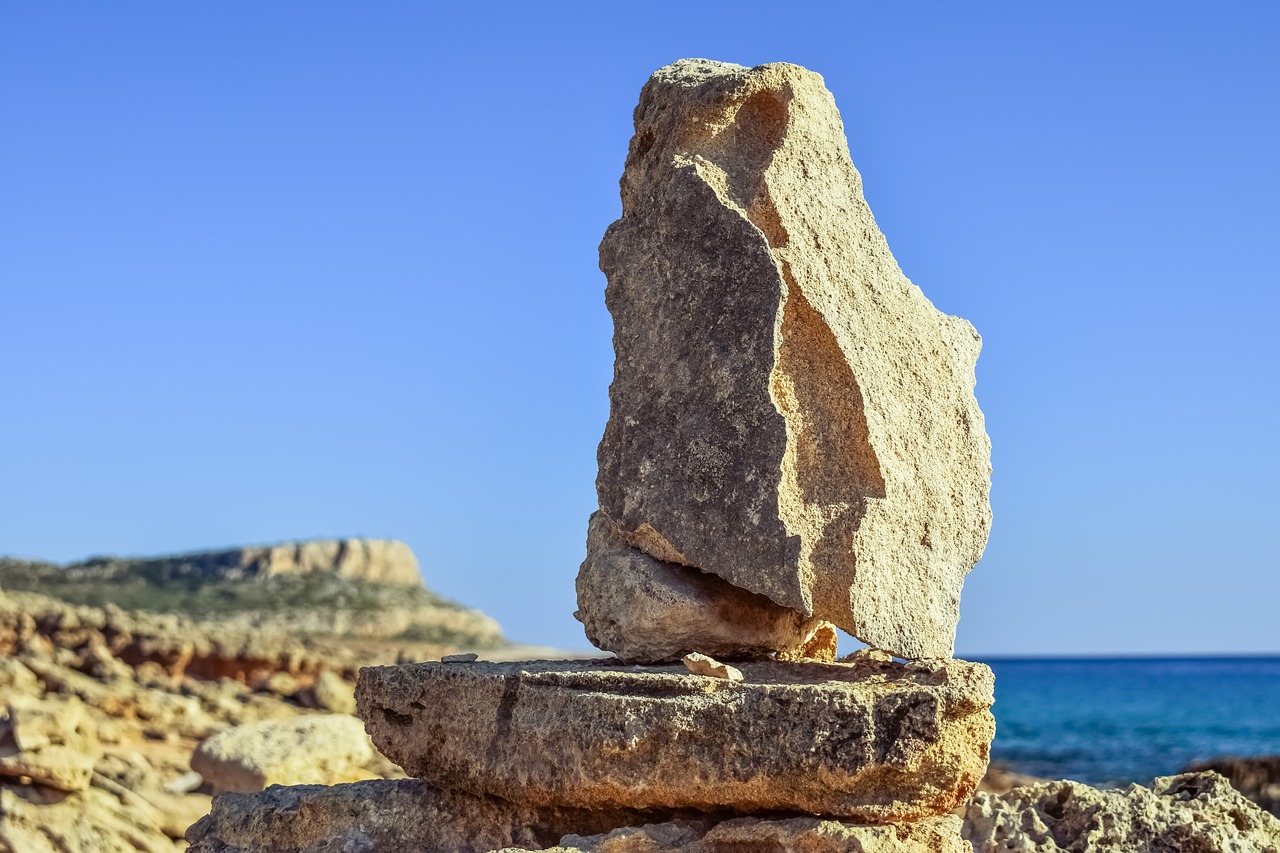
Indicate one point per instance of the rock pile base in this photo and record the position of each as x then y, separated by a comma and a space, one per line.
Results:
861, 755
870, 740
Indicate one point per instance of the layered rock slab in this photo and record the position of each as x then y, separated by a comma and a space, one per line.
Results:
386, 815
788, 411
871, 740
774, 835
1189, 813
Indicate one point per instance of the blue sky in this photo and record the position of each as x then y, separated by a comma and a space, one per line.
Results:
284, 270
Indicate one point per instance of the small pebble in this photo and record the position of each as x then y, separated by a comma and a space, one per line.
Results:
466, 657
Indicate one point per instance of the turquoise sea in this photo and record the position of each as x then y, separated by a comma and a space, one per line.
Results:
1106, 721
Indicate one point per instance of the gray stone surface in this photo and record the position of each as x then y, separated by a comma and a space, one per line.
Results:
776, 835
382, 816
787, 411
871, 740
1191, 813
643, 609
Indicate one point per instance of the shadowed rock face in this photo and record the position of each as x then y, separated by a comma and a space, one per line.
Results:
875, 741
788, 411
644, 609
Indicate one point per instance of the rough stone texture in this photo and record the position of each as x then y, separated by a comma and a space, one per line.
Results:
784, 835
821, 646
643, 609
1257, 778
876, 741
788, 411
320, 749
384, 816
1196, 813
700, 664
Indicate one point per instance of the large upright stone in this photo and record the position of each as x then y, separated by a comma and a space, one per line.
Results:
788, 411
874, 741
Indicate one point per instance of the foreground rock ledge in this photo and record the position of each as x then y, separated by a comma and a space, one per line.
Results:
777, 835
787, 410
408, 815
1193, 812
872, 740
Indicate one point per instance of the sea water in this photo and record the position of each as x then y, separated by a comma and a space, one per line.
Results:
1109, 721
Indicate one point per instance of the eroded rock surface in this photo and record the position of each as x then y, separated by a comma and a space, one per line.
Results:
788, 411
1193, 812
873, 740
385, 815
643, 609
1258, 777
781, 835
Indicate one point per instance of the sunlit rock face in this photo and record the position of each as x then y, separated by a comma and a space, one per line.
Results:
788, 412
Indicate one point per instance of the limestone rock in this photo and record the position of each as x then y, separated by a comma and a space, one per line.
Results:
700, 664
785, 835
821, 646
643, 609
874, 741
787, 411
313, 749
378, 560
1258, 778
1194, 812
52, 742
382, 816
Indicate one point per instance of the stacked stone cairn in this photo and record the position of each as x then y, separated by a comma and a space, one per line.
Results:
793, 446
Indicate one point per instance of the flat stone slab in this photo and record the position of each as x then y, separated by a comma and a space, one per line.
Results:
771, 835
876, 741
388, 815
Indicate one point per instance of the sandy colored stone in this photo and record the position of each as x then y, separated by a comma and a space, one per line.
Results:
378, 560
820, 646
781, 835
643, 609
700, 664
385, 816
52, 742
1257, 777
787, 411
37, 820
313, 749
333, 693
873, 741
1194, 812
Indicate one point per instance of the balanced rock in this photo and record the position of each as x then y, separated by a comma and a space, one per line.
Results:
788, 411
312, 749
1190, 813
643, 609
874, 741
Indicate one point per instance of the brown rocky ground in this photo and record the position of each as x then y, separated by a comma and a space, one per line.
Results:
103, 709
